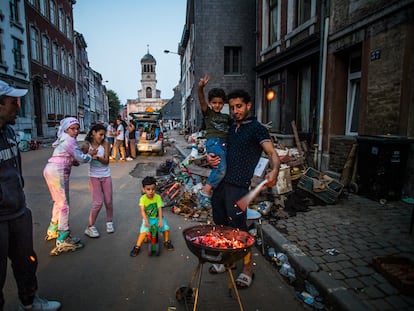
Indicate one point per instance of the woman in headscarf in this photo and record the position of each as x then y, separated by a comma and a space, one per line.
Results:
66, 154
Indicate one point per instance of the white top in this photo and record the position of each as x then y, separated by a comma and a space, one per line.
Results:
96, 168
121, 130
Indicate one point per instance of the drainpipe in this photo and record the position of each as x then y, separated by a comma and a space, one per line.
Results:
322, 61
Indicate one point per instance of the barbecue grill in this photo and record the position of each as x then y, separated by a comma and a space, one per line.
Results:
218, 245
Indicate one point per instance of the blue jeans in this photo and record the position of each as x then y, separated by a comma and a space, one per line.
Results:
16, 240
218, 147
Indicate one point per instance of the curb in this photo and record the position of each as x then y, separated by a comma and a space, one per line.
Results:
337, 295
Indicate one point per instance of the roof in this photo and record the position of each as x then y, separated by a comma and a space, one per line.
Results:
148, 58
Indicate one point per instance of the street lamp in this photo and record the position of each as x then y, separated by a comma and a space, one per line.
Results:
168, 51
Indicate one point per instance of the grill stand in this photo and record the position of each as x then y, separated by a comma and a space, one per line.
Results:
184, 293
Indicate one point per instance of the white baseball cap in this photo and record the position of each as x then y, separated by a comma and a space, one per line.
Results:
6, 89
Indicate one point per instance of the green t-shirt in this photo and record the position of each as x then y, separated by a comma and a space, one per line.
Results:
217, 124
151, 205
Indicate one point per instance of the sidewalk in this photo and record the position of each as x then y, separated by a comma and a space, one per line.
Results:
358, 229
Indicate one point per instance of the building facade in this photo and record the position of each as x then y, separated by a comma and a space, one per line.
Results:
288, 58
14, 64
52, 63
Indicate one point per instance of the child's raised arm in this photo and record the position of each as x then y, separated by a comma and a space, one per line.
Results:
201, 84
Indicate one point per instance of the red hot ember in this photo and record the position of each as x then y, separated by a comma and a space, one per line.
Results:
213, 240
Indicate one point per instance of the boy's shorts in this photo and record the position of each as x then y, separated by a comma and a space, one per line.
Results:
154, 221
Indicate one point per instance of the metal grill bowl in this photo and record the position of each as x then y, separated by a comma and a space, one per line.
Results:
214, 254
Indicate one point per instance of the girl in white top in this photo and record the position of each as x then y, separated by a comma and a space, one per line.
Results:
100, 180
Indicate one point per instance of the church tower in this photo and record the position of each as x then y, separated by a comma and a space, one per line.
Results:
148, 78
149, 98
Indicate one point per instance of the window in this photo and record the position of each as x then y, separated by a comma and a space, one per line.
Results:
148, 92
353, 102
48, 100
17, 54
43, 7
232, 60
68, 28
273, 22
14, 11
34, 44
58, 105
304, 100
55, 56
303, 11
63, 61
53, 12
70, 66
46, 51
1, 48
62, 26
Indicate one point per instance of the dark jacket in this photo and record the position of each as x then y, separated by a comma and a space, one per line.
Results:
12, 199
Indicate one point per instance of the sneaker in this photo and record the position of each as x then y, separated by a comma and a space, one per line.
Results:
40, 304
129, 159
203, 200
92, 232
168, 245
134, 252
122, 160
110, 227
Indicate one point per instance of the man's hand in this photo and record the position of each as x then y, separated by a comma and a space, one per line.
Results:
213, 160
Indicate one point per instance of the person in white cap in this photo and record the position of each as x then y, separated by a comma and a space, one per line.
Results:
16, 229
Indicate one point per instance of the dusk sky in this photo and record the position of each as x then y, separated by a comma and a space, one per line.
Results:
118, 34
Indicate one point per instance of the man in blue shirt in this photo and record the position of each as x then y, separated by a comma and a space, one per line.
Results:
246, 141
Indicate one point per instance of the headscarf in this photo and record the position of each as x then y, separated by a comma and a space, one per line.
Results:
64, 125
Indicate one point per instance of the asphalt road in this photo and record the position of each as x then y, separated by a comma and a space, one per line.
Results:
102, 275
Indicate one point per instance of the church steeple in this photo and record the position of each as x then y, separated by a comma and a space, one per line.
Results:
148, 75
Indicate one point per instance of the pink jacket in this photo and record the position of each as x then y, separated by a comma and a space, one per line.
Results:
67, 150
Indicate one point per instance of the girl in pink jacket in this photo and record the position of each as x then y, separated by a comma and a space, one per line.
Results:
66, 154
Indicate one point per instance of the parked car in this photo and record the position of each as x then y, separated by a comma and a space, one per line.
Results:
151, 137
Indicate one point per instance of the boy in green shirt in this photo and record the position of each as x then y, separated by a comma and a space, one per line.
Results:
151, 205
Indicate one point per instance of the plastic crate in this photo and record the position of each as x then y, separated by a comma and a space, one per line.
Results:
331, 192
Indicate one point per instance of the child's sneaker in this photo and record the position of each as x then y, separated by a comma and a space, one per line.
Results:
168, 245
135, 251
92, 232
110, 227
41, 304
203, 200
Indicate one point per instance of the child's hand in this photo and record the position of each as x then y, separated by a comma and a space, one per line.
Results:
203, 81
146, 223
160, 224
85, 148
93, 152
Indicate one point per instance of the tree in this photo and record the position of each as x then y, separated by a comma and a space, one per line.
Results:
114, 104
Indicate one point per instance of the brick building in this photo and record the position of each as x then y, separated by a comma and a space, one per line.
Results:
369, 77
51, 57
